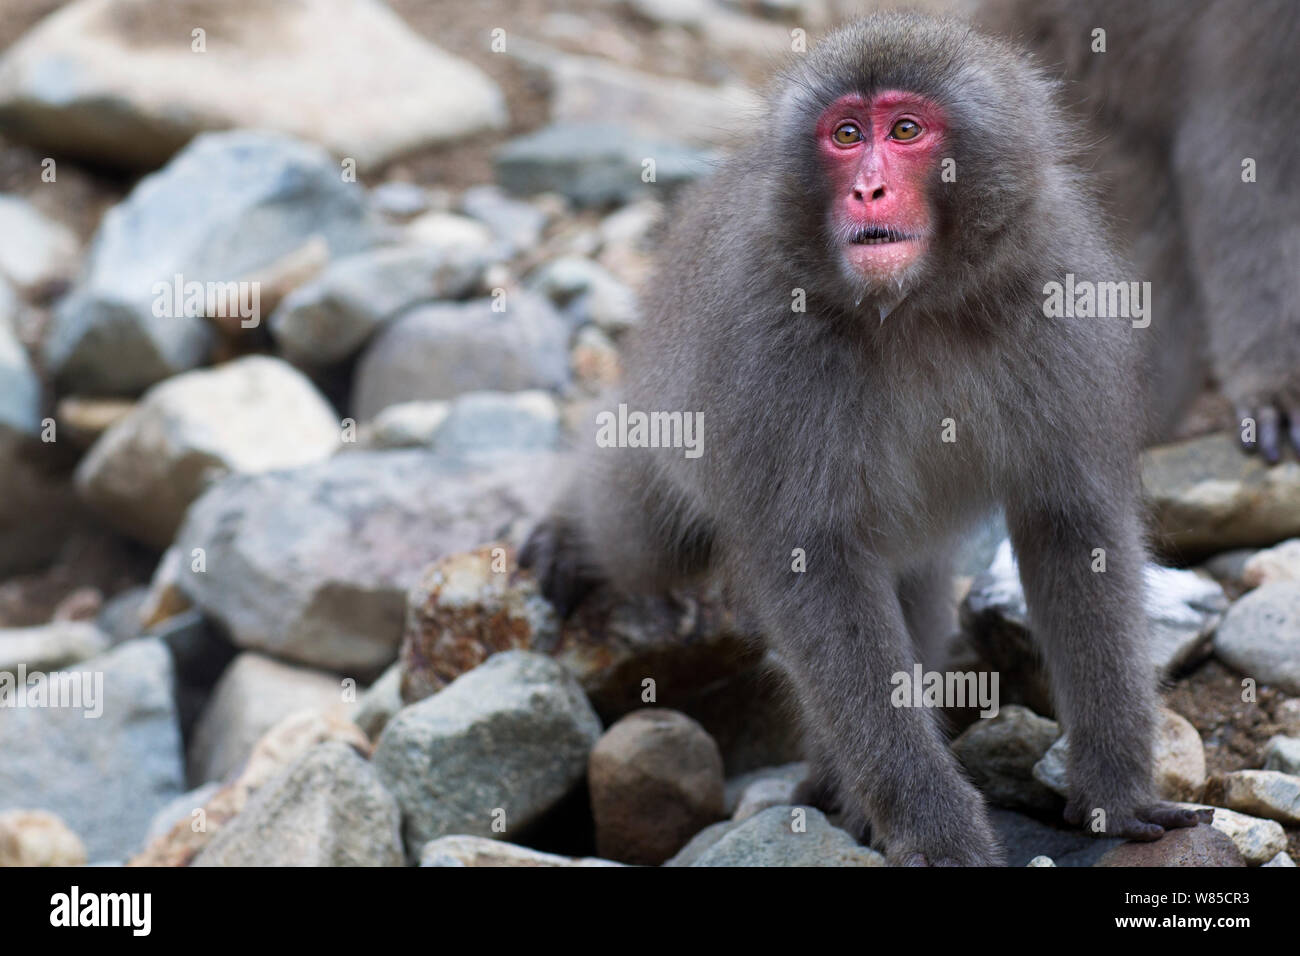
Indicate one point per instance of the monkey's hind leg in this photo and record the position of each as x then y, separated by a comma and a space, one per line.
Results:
929, 604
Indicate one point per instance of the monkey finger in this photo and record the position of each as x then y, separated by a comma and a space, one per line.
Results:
1171, 817
1132, 828
1269, 444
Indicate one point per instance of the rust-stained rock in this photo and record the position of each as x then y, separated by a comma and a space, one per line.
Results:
472, 605
689, 651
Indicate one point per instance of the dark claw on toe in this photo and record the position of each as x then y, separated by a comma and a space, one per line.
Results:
1269, 442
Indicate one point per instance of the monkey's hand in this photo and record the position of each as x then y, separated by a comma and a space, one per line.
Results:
1268, 418
1143, 823
555, 553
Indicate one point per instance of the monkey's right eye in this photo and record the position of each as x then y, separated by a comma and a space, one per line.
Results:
846, 134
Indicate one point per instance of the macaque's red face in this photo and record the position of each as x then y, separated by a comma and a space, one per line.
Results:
881, 155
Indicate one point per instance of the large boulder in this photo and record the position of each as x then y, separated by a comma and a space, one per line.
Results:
189, 243
252, 415
313, 564
128, 82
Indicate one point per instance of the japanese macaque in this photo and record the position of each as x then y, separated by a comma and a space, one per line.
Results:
858, 305
1193, 122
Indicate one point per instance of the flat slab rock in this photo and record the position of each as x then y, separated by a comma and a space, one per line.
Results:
123, 82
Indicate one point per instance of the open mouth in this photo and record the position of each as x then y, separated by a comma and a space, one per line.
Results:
878, 235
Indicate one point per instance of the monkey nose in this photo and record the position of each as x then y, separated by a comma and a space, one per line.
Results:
868, 193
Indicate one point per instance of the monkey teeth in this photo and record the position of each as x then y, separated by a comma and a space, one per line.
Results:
877, 236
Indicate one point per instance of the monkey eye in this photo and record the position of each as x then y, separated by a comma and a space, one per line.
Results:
905, 129
846, 134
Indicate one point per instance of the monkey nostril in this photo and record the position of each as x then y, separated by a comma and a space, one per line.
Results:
878, 192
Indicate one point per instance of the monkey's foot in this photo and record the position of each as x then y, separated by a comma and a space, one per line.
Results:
554, 552
1144, 823
971, 854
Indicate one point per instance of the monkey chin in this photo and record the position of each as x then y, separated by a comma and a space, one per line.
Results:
883, 268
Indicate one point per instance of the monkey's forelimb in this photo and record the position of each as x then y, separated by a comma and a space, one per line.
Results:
1090, 626
843, 635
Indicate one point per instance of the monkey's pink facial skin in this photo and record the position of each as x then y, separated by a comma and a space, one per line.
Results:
881, 154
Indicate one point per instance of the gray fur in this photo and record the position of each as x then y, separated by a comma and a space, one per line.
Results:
1184, 92
822, 432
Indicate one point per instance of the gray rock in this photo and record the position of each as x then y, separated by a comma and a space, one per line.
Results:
595, 165
329, 318
1041, 861
253, 695
1260, 635
587, 293
476, 423
313, 565
1257, 840
1025, 838
518, 224
1206, 496
655, 779
50, 646
764, 793
1260, 793
229, 205
105, 777
1000, 754
99, 81
251, 415
327, 809
1281, 859
490, 422
440, 351
501, 744
20, 390
1283, 754
182, 808
480, 851
788, 775
35, 251
771, 838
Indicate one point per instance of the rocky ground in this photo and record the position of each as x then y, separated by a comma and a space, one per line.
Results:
281, 545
